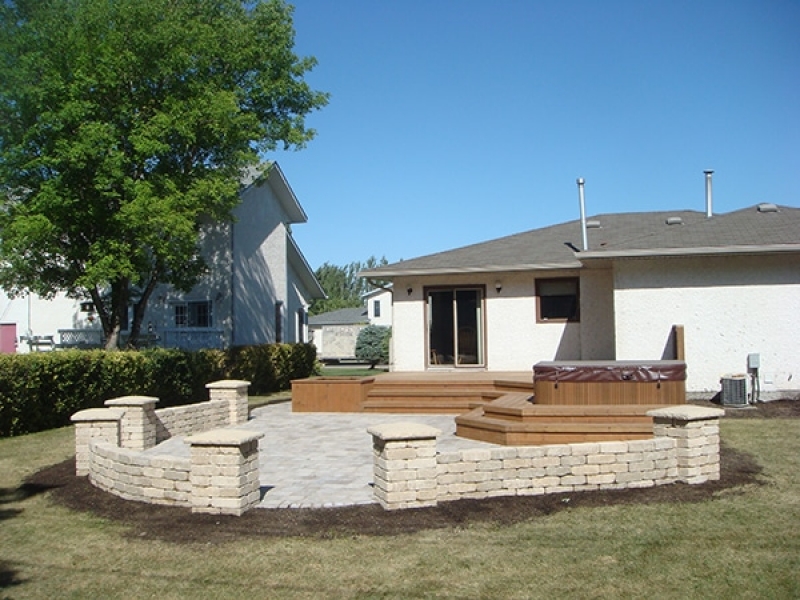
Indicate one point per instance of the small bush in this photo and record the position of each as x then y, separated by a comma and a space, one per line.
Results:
372, 344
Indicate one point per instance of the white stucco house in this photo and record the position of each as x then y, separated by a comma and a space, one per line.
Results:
335, 333
258, 288
731, 280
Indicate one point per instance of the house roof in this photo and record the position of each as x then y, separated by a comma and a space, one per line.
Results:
343, 316
616, 235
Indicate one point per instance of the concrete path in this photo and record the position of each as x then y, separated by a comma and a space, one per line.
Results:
313, 460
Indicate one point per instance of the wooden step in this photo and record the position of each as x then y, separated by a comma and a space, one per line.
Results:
514, 419
420, 405
477, 426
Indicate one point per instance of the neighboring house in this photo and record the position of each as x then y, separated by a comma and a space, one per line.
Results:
258, 289
379, 306
335, 333
731, 280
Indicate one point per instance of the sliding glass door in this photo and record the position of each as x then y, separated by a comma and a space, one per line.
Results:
455, 327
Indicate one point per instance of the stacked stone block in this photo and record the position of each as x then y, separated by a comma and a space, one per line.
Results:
536, 470
234, 392
139, 423
134, 475
191, 418
94, 425
695, 431
224, 476
404, 463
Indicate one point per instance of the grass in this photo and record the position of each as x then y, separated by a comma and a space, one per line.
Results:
744, 544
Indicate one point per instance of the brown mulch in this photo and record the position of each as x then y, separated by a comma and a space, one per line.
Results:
181, 526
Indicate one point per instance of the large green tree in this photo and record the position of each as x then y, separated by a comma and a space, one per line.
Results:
343, 287
125, 126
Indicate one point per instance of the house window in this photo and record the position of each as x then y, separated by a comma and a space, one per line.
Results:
302, 322
557, 299
193, 314
376, 308
279, 322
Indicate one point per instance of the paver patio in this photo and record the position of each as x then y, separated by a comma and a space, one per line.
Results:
312, 460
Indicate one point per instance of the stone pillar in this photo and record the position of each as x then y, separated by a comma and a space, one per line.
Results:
139, 422
695, 430
235, 392
94, 424
404, 465
224, 471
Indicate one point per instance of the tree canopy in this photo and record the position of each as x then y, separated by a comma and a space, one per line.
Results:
343, 286
126, 126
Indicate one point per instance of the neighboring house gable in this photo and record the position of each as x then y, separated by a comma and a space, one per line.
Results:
258, 288
732, 281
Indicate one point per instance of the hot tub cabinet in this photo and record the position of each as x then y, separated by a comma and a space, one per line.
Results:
650, 383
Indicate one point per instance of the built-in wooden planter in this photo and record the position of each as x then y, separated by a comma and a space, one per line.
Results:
661, 382
330, 394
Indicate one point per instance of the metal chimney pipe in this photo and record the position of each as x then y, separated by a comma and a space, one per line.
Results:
709, 211
584, 236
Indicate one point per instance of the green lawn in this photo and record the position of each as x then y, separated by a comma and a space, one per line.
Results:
743, 544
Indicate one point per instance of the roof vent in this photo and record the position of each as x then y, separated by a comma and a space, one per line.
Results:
767, 207
674, 221
592, 224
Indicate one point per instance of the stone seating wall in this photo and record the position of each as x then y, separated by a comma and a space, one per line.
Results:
410, 473
220, 477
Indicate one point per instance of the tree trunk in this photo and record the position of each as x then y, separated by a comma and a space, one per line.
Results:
139, 310
119, 307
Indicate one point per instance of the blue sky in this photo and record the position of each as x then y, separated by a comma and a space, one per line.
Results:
455, 122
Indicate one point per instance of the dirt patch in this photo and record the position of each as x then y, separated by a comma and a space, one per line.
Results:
181, 526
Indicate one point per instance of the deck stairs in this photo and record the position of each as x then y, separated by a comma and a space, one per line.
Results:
514, 420
443, 394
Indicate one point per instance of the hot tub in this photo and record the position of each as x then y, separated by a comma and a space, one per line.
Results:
660, 382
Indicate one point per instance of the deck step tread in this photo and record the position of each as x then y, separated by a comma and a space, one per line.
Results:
484, 422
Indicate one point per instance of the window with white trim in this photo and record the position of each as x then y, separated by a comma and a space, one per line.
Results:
194, 314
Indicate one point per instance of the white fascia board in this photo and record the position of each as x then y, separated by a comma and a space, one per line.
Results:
303, 269
285, 194
469, 270
699, 251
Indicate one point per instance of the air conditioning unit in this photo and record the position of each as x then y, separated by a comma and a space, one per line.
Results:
734, 390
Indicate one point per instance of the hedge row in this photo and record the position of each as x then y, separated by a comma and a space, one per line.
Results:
41, 391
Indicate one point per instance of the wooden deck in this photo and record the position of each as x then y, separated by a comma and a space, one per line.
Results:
441, 393
490, 407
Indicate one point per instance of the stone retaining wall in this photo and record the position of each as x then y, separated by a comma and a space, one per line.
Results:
409, 473
220, 477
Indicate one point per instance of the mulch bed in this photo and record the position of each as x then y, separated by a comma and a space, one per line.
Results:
181, 526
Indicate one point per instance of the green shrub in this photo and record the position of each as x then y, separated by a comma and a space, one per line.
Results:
372, 344
43, 390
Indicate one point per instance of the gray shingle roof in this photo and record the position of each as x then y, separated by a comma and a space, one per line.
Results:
619, 234
343, 316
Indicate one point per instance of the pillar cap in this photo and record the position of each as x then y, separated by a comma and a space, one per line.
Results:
131, 401
97, 414
686, 412
227, 384
403, 431
224, 437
